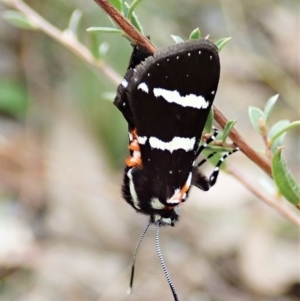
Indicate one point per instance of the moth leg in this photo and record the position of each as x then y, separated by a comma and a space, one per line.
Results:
199, 179
214, 175
205, 144
205, 159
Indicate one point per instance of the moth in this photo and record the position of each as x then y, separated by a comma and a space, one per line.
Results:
165, 98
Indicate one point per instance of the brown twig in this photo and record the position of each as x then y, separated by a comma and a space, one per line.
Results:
80, 50
69, 41
130, 30
219, 117
234, 135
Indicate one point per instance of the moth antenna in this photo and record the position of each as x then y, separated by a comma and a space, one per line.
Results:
162, 262
134, 257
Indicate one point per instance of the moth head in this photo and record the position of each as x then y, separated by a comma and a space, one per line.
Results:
149, 195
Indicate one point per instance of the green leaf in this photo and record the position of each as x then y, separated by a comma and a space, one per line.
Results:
221, 43
132, 16
94, 44
74, 22
135, 22
277, 134
285, 182
177, 39
229, 125
218, 149
195, 34
117, 4
105, 29
255, 115
269, 106
283, 128
125, 8
209, 121
132, 8
18, 19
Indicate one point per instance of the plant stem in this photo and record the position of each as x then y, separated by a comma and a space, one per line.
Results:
83, 52
277, 205
69, 41
219, 117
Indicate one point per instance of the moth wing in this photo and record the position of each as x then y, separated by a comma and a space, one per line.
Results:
170, 95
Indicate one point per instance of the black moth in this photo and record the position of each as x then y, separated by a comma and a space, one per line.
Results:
165, 99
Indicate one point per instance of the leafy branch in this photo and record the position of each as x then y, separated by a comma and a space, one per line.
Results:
25, 17
142, 41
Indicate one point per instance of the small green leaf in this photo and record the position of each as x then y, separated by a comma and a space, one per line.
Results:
132, 8
18, 19
112, 22
94, 44
122, 6
135, 22
283, 128
229, 125
177, 39
218, 149
269, 106
117, 4
195, 34
277, 134
105, 29
255, 115
209, 121
285, 182
131, 15
125, 8
221, 43
74, 22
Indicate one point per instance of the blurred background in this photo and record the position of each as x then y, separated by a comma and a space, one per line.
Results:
65, 232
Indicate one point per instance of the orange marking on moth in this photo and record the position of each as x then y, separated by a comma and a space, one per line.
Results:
135, 158
134, 145
179, 196
131, 161
184, 189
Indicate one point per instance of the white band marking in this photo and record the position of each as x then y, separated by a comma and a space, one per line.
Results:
190, 100
175, 199
189, 180
142, 139
156, 204
176, 143
143, 87
124, 83
133, 191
